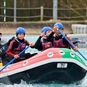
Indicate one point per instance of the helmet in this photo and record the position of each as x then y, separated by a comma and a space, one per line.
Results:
20, 30
60, 25
44, 29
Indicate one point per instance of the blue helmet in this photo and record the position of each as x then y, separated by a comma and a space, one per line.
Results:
20, 30
60, 25
44, 29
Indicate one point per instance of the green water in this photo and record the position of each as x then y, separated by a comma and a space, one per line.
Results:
23, 84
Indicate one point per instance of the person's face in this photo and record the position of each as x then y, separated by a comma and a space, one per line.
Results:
48, 32
21, 36
58, 34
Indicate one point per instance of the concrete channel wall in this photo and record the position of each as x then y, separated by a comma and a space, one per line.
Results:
34, 28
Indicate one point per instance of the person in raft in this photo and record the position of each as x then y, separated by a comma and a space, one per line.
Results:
42, 43
17, 45
3, 40
58, 40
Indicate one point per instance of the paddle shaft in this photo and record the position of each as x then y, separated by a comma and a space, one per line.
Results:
13, 59
72, 44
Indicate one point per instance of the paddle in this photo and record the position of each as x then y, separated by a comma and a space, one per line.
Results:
13, 59
79, 41
72, 44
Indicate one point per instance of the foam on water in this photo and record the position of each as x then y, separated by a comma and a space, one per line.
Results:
24, 84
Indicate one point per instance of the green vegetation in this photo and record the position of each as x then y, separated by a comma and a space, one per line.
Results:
71, 14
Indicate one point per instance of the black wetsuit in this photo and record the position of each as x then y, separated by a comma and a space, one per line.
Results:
38, 43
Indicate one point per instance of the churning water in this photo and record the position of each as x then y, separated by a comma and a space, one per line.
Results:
33, 38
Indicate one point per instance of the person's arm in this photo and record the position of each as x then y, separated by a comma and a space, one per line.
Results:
77, 41
29, 44
38, 44
54, 31
50, 36
9, 50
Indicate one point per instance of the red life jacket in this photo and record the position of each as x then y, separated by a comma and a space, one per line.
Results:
20, 47
59, 43
46, 45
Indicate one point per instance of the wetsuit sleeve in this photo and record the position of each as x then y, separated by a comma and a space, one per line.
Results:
28, 43
74, 42
50, 36
9, 50
38, 44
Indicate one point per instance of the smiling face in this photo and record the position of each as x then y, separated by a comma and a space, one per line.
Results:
20, 36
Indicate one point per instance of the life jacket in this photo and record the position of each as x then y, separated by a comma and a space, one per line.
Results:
8, 43
1, 64
59, 43
21, 46
46, 45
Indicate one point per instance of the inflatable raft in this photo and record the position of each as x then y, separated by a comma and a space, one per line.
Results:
54, 65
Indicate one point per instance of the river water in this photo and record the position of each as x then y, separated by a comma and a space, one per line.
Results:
33, 38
